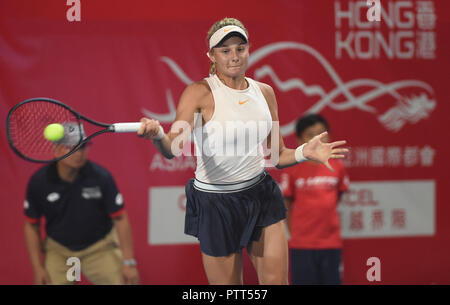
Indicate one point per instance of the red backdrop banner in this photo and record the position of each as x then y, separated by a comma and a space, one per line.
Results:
383, 86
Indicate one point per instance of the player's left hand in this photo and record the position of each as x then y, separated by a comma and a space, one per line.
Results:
318, 151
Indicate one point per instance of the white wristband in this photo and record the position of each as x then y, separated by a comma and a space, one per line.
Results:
299, 154
160, 134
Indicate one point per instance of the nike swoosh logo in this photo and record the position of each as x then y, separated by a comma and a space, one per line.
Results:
226, 30
243, 102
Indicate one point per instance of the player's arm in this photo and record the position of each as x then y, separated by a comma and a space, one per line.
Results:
340, 194
34, 248
130, 274
315, 149
33, 243
32, 233
286, 156
287, 189
288, 202
172, 142
123, 228
344, 183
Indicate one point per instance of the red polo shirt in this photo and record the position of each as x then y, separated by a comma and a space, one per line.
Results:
314, 191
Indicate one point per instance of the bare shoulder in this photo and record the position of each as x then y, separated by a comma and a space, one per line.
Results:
198, 89
196, 94
268, 93
264, 87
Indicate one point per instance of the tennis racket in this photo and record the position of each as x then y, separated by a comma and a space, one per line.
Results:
27, 121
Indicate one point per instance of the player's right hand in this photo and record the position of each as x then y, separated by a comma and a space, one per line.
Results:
149, 129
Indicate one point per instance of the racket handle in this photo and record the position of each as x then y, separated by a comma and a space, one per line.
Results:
126, 127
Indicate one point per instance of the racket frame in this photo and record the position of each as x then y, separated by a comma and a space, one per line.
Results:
79, 117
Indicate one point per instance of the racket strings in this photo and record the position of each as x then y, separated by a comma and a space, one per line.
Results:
26, 128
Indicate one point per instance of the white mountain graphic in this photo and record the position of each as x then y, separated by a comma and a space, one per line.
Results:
407, 109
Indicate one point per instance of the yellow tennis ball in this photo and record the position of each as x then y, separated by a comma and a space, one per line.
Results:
54, 132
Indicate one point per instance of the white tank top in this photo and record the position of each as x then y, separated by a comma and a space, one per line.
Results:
229, 147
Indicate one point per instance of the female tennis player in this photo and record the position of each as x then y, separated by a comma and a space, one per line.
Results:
233, 203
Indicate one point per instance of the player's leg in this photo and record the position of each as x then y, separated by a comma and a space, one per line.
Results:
223, 270
270, 256
101, 263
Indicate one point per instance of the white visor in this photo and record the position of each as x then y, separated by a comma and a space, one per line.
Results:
222, 32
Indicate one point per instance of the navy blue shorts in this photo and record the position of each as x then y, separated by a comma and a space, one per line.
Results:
224, 223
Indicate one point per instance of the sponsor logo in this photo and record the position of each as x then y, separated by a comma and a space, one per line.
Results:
119, 199
52, 197
388, 209
91, 193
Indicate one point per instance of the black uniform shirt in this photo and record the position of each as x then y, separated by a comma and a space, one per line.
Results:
77, 214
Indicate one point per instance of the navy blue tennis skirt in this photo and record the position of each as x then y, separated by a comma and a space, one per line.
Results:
224, 223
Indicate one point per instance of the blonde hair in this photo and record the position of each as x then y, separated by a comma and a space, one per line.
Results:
218, 25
